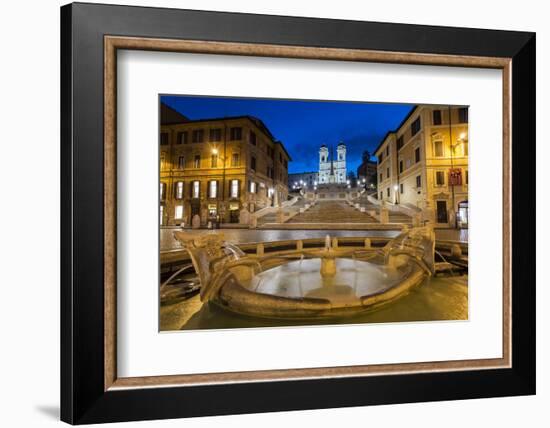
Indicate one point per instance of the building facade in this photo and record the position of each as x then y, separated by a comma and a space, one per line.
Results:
367, 172
215, 168
299, 179
332, 170
424, 163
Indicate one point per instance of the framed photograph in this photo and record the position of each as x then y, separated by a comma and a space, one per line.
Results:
266, 213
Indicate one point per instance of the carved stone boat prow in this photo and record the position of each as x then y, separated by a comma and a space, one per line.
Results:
310, 283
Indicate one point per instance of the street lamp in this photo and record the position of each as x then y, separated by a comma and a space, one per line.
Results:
396, 188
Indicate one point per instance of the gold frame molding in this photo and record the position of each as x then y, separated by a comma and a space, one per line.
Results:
113, 43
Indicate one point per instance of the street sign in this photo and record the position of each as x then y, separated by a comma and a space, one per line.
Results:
455, 177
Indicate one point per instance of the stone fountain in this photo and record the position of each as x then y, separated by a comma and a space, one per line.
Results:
317, 283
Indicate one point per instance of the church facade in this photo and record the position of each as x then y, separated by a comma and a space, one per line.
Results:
332, 170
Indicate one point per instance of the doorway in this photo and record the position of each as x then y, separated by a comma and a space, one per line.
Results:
463, 214
442, 216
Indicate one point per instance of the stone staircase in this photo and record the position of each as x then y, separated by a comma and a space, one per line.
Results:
332, 212
394, 216
272, 217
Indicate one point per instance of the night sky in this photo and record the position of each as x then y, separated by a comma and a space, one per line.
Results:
303, 126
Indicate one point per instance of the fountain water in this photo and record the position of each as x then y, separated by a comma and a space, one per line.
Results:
315, 283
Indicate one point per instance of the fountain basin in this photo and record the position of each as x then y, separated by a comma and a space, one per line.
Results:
311, 284
298, 290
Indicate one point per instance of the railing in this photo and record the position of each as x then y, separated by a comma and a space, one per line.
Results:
272, 210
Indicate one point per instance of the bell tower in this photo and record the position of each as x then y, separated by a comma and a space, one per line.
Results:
324, 165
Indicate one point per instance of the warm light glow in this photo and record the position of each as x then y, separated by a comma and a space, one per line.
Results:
234, 188
462, 136
395, 187
214, 151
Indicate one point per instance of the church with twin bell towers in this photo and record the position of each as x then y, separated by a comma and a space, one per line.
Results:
332, 170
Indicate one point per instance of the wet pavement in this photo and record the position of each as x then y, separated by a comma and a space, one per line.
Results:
245, 236
437, 299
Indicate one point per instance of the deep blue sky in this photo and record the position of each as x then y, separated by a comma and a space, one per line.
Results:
304, 125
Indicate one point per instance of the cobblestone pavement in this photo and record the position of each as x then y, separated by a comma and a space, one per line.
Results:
248, 236
242, 236
452, 235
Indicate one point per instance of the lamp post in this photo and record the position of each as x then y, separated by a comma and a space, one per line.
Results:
395, 189
451, 147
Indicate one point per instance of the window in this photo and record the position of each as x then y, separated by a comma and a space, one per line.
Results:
196, 189
415, 126
179, 190
213, 189
466, 176
253, 163
381, 196
234, 189
236, 133
388, 192
401, 188
380, 157
178, 214
463, 115
417, 155
252, 138
438, 148
162, 160
436, 117
162, 191
388, 150
182, 137
197, 162
163, 138
198, 136
285, 164
215, 135
387, 173
322, 158
381, 177
235, 159
399, 142
252, 187
281, 157
439, 178
214, 161
418, 181
400, 166
181, 162
465, 148
161, 215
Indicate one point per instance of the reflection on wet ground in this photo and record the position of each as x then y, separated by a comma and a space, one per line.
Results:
436, 299
242, 236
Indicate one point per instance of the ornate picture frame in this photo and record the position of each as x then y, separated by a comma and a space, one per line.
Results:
91, 390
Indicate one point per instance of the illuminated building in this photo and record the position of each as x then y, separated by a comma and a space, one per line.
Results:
216, 167
424, 163
332, 170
